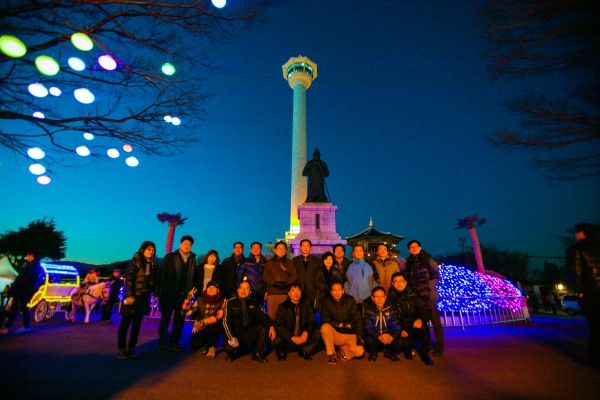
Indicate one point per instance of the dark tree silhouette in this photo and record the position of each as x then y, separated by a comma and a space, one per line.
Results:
131, 101
39, 236
558, 41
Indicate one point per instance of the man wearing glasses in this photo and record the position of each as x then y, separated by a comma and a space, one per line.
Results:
422, 272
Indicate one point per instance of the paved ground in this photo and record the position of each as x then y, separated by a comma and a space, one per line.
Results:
543, 359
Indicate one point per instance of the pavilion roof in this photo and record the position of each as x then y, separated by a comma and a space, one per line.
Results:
372, 235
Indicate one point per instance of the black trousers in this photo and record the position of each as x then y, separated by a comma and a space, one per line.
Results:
254, 334
372, 345
207, 337
107, 310
590, 307
136, 323
417, 335
436, 321
281, 344
19, 303
163, 326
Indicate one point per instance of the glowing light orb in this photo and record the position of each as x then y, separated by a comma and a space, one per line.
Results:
76, 63
38, 114
219, 3
461, 290
47, 65
54, 91
88, 136
107, 62
83, 151
132, 161
84, 96
38, 90
127, 148
168, 69
44, 179
37, 169
12, 46
168, 118
112, 153
82, 41
36, 153
175, 121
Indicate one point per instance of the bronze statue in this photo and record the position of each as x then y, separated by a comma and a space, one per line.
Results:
317, 171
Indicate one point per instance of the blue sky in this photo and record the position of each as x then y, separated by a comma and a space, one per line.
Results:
399, 111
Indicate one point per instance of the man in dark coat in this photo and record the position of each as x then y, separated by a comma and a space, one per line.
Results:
413, 313
176, 281
583, 267
116, 283
24, 286
340, 259
423, 275
251, 270
306, 269
230, 266
296, 326
246, 323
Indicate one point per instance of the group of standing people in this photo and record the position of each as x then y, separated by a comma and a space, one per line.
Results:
361, 304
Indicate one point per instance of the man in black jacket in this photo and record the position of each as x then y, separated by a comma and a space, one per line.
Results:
306, 268
116, 283
583, 267
296, 326
176, 281
246, 323
413, 313
230, 266
342, 325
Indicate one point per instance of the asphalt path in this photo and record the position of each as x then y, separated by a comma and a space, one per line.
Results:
545, 358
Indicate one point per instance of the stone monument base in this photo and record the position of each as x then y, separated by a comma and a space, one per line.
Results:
317, 224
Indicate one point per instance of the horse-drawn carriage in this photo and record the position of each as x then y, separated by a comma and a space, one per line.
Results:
55, 293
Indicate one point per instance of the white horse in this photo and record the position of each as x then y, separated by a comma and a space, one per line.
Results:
88, 297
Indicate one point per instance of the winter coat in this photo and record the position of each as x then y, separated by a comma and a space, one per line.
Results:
115, 288
252, 271
285, 323
423, 275
306, 277
360, 280
385, 269
343, 266
409, 306
322, 286
217, 277
279, 274
28, 281
230, 265
583, 267
170, 292
379, 321
139, 285
342, 311
233, 320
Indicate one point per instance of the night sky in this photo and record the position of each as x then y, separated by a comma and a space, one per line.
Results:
399, 110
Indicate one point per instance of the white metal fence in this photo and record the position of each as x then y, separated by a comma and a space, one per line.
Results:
494, 314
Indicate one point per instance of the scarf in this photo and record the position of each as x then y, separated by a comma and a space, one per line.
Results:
208, 299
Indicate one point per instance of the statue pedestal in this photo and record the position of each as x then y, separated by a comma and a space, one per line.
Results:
317, 224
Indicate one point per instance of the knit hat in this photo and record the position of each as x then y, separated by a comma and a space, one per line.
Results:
212, 283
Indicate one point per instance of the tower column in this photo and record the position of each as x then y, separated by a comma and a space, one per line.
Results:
299, 185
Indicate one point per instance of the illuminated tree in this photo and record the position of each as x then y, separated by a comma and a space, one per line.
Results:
471, 223
558, 42
174, 221
161, 50
40, 236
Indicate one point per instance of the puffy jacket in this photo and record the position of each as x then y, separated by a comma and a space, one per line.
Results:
343, 311
233, 320
583, 266
360, 280
306, 278
343, 266
385, 269
379, 321
423, 275
136, 283
279, 274
286, 319
409, 306
252, 271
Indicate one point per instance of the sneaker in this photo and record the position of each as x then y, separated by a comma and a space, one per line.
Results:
3, 331
211, 353
133, 353
332, 359
122, 354
22, 330
162, 349
202, 350
174, 348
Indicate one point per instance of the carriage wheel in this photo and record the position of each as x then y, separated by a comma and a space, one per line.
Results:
54, 308
40, 311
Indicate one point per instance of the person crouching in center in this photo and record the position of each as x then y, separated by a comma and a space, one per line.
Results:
207, 330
